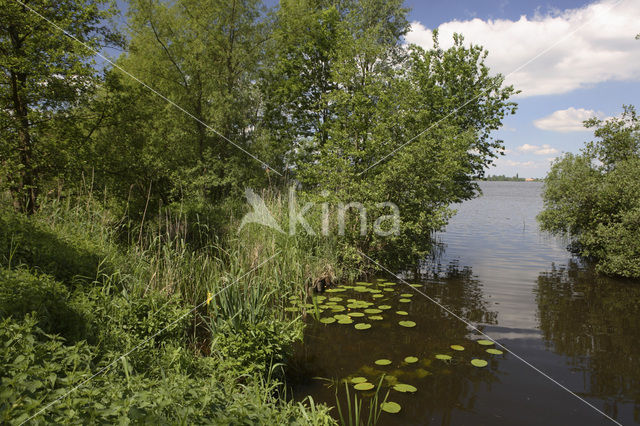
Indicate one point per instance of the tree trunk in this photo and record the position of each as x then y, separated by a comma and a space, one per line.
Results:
26, 191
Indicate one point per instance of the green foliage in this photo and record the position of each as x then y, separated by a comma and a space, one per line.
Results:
255, 348
212, 364
594, 197
44, 79
69, 250
22, 293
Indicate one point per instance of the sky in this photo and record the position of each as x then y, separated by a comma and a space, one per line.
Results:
571, 59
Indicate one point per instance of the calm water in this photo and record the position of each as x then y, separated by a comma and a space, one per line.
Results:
523, 289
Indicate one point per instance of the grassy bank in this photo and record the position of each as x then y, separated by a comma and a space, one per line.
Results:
104, 320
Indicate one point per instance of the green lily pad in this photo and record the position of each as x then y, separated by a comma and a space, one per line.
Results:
335, 290
337, 308
485, 342
362, 326
402, 312
404, 300
351, 300
401, 387
443, 357
478, 362
372, 311
357, 380
411, 359
387, 289
494, 351
406, 295
378, 295
390, 407
328, 320
407, 324
341, 316
457, 347
383, 362
376, 317
345, 321
364, 386
384, 307
416, 285
355, 314
335, 299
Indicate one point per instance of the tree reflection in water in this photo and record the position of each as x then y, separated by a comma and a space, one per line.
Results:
595, 322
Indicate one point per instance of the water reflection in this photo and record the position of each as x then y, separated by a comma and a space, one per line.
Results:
595, 322
338, 351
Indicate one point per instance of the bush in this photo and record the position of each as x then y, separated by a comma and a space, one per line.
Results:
594, 197
22, 292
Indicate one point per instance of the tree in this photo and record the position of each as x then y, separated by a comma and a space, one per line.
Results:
204, 57
45, 75
363, 95
594, 196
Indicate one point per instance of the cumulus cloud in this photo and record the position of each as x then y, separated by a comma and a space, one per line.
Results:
545, 149
567, 120
595, 43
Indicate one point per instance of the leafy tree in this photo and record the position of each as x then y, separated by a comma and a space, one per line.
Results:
352, 94
203, 57
594, 196
45, 76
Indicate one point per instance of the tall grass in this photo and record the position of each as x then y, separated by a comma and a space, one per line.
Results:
128, 279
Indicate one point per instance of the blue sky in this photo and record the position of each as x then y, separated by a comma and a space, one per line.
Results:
593, 71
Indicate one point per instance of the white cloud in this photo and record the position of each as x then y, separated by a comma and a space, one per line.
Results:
567, 120
602, 48
519, 163
545, 149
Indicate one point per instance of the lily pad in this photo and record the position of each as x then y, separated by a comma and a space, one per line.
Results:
376, 317
364, 386
372, 311
335, 290
345, 321
404, 300
402, 312
355, 314
390, 407
357, 380
478, 362
457, 347
485, 342
383, 361
335, 299
407, 324
443, 357
387, 289
384, 307
401, 387
416, 285
494, 351
341, 316
337, 308
406, 295
362, 326
378, 295
328, 320
411, 359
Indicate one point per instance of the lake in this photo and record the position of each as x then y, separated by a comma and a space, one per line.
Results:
518, 285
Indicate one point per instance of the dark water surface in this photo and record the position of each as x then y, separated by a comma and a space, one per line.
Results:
522, 288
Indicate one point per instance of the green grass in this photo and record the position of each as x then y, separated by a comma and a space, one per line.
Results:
81, 286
